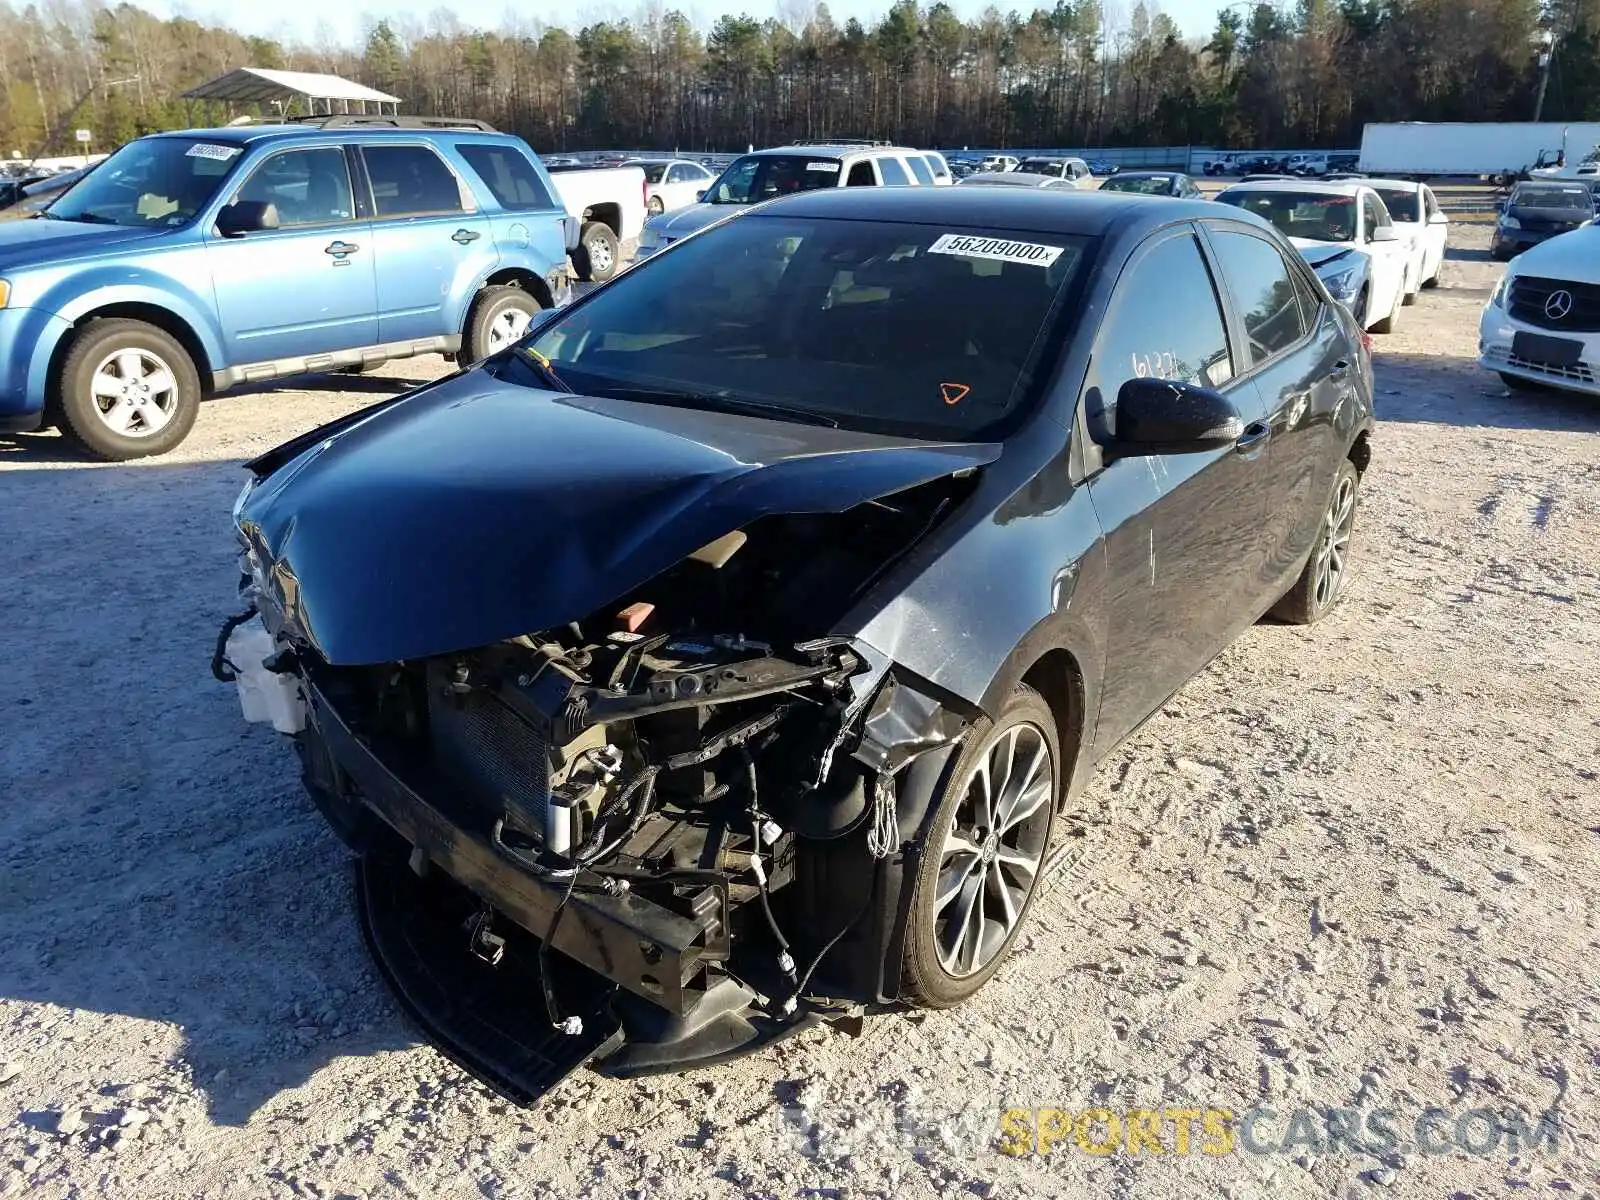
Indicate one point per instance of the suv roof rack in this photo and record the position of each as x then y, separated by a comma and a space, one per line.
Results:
828, 141
356, 120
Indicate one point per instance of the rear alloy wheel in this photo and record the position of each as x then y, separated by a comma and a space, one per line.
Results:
1328, 569
655, 207
981, 852
598, 254
127, 390
500, 316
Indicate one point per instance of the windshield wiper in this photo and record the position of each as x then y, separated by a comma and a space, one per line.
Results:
541, 364
718, 402
82, 218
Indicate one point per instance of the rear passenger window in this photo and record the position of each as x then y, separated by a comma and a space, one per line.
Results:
1263, 287
1165, 323
894, 175
861, 176
411, 180
509, 176
920, 170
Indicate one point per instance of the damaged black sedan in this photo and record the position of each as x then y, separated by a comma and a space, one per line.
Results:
722, 656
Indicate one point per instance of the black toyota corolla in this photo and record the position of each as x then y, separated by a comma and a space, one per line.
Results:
721, 657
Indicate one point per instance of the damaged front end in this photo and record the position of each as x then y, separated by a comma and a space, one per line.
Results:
660, 834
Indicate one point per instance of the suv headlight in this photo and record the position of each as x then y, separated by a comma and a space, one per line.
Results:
5, 293
1497, 298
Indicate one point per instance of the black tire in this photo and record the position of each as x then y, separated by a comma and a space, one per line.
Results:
598, 254
926, 980
491, 324
91, 352
1518, 384
1308, 601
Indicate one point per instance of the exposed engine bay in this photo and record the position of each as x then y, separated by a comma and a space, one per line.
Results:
663, 790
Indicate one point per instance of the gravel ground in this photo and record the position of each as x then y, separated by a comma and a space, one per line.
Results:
1350, 867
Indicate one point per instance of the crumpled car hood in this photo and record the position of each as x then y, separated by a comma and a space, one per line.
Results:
477, 510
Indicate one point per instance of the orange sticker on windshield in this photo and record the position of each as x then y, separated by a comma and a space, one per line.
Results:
954, 393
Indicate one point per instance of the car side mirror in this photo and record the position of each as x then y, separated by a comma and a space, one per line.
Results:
247, 216
1384, 233
700, 195
1438, 218
1163, 416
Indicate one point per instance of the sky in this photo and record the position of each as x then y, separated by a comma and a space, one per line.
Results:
348, 22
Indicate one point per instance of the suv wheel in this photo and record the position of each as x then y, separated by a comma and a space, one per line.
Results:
597, 255
128, 390
499, 318
981, 851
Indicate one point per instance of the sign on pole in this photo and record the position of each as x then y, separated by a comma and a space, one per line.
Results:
84, 136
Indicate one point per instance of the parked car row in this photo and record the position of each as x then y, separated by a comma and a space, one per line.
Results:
1308, 163
1371, 257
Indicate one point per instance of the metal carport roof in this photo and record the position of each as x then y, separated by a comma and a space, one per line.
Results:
257, 85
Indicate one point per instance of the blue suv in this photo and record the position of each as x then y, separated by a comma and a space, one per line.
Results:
187, 263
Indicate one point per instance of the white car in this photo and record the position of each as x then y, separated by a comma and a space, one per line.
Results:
1541, 327
1306, 164
1329, 221
1422, 225
671, 183
1061, 168
999, 162
783, 170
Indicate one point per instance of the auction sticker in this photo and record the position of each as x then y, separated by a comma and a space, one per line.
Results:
997, 249
827, 168
212, 151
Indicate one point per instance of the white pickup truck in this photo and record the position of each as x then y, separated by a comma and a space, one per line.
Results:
609, 203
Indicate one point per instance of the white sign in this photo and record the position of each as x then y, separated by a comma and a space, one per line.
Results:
998, 249
213, 152
84, 136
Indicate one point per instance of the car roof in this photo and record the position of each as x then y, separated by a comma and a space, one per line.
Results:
245, 135
1148, 174
1295, 185
1409, 184
1014, 178
826, 150
1066, 211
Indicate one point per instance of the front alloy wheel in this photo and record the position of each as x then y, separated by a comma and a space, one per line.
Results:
981, 852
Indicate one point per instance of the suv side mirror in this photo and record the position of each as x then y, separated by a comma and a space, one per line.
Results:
700, 195
247, 216
1384, 233
1162, 416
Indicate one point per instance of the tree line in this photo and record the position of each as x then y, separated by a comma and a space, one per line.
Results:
1291, 72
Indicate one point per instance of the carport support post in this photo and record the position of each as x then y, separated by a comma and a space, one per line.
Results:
1547, 54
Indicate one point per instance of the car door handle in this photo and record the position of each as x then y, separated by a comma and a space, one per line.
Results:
462, 237
1340, 372
1255, 437
340, 249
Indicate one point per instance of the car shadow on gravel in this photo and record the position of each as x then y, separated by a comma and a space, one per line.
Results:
160, 860
374, 383
1434, 389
